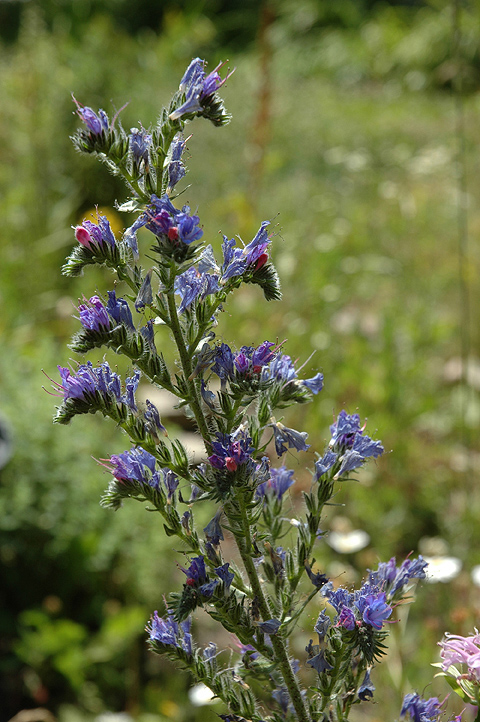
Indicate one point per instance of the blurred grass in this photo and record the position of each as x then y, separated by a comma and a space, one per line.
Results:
359, 174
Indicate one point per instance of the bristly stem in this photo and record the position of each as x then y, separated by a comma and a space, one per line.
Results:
186, 364
244, 544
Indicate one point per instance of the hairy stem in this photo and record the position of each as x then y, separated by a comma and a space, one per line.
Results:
244, 544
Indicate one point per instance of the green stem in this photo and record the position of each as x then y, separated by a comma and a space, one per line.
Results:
186, 363
244, 545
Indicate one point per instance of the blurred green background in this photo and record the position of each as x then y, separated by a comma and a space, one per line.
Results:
355, 129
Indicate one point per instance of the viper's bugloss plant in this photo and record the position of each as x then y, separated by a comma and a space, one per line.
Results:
236, 394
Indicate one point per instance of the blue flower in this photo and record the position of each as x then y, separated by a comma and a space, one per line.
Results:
393, 580
236, 261
324, 464
374, 609
198, 88
319, 663
322, 625
119, 310
213, 530
224, 573
210, 652
95, 235
198, 579
279, 482
232, 450
140, 142
88, 381
419, 709
148, 335
145, 296
164, 219
169, 633
318, 579
344, 431
348, 446
366, 689
97, 124
271, 626
134, 465
294, 439
175, 167
93, 315
191, 285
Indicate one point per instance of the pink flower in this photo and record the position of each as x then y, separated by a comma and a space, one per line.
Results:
457, 650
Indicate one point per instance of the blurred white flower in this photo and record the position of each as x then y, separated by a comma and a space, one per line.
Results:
442, 569
476, 575
347, 542
200, 694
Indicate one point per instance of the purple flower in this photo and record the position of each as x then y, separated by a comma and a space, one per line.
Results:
393, 580
175, 167
87, 381
366, 689
224, 573
169, 633
191, 285
95, 235
119, 310
346, 619
324, 464
140, 142
213, 530
96, 123
166, 222
164, 219
93, 315
145, 296
232, 450
198, 579
152, 419
198, 88
292, 438
271, 626
134, 465
236, 261
279, 482
319, 663
419, 709
374, 609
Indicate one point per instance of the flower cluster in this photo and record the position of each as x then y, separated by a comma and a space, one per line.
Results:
90, 383
199, 91
170, 633
232, 451
138, 466
393, 580
94, 236
366, 605
348, 448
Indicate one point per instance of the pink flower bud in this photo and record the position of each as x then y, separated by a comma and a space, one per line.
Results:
83, 236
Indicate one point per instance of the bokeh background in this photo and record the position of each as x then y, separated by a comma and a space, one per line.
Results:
355, 129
